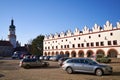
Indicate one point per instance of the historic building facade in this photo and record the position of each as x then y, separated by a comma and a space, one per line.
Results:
85, 43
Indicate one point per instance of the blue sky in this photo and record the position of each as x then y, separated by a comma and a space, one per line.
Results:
35, 17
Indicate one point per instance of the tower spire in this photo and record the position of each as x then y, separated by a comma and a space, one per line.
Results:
12, 22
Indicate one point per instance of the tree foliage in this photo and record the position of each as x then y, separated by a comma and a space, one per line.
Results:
36, 47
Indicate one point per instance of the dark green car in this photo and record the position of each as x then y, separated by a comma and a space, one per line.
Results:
28, 63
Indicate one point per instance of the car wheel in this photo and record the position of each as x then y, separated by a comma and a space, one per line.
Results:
69, 70
99, 72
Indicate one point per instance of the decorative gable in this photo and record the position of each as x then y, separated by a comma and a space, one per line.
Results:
77, 31
85, 30
96, 28
108, 26
118, 24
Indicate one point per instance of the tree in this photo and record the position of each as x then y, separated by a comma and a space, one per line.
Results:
36, 47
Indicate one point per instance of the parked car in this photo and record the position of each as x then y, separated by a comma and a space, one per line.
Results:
28, 63
57, 57
86, 65
16, 55
41, 57
61, 60
47, 57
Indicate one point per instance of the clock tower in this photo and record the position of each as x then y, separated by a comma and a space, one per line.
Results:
12, 36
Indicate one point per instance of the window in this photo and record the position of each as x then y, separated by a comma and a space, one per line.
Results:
82, 44
87, 44
99, 35
61, 46
97, 43
45, 47
64, 46
73, 45
74, 38
92, 44
111, 34
115, 42
61, 40
89, 37
102, 43
79, 38
53, 41
48, 47
56, 47
52, 47
67, 46
109, 42
78, 45
66, 39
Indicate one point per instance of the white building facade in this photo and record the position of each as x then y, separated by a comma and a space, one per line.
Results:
85, 43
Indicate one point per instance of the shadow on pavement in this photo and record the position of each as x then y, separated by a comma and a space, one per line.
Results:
1, 75
115, 74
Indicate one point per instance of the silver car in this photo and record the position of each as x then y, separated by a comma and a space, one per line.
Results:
86, 65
